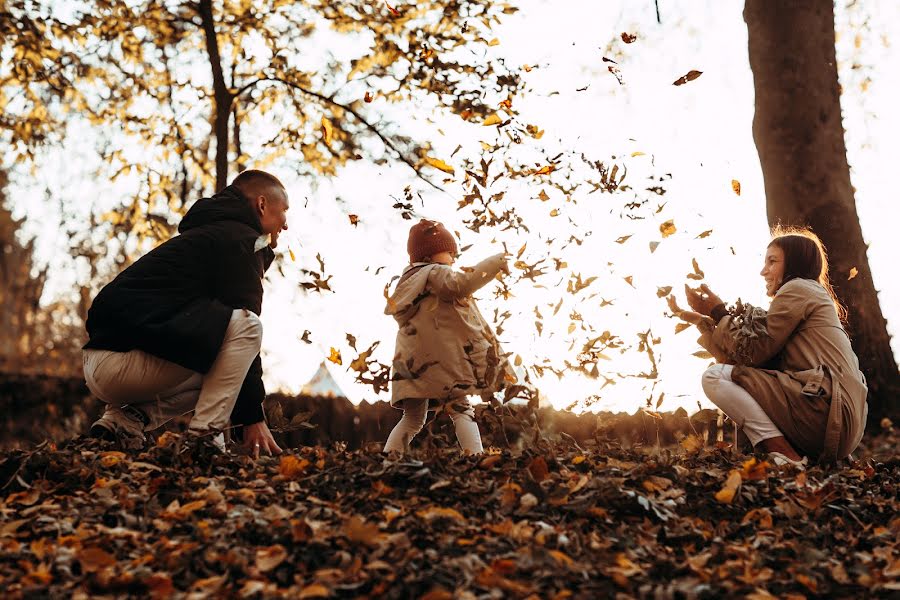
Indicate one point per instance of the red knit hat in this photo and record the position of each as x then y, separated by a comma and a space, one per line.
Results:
427, 238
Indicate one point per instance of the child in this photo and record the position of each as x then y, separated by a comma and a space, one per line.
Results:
445, 349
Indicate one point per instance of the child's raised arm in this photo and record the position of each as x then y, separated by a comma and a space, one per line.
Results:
449, 284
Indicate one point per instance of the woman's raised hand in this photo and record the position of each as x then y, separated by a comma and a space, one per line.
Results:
685, 315
702, 300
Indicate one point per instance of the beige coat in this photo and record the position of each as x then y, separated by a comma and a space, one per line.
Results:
796, 360
445, 348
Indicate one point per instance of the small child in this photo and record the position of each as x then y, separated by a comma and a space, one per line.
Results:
445, 349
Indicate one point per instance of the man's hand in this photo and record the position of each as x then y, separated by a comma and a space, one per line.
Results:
702, 300
257, 437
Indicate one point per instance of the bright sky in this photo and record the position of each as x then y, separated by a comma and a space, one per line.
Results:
699, 132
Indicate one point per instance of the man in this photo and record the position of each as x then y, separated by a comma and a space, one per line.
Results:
179, 329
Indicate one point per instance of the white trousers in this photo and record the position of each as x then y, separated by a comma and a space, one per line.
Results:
738, 404
414, 413
163, 390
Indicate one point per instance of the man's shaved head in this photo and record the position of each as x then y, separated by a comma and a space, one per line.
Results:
253, 183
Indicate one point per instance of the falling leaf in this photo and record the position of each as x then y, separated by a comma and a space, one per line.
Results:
702, 354
628, 38
663, 291
354, 220
667, 228
492, 119
689, 76
638, 153
494, 42
543, 197
291, 253
394, 11
679, 327
622, 239
534, 132
629, 280
704, 234
554, 212
731, 487
367, 98
440, 165
853, 273
736, 186
335, 357
653, 246
698, 274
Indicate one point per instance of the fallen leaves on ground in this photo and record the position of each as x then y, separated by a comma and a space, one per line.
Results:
553, 521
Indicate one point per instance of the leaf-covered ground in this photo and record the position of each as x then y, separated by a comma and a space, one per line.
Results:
555, 521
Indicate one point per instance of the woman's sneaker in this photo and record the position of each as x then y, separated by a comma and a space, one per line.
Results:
123, 424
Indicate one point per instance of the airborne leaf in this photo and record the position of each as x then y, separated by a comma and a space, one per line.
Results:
689, 76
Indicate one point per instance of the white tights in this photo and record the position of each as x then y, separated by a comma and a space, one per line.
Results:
414, 413
738, 404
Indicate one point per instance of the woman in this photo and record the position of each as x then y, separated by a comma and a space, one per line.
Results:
788, 376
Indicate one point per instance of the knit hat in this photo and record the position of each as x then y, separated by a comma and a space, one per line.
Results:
427, 238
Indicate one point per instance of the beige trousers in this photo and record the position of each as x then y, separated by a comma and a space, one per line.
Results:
163, 390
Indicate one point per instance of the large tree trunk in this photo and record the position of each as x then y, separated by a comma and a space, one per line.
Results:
800, 139
221, 95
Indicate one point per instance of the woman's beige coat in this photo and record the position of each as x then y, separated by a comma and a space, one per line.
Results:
445, 348
796, 361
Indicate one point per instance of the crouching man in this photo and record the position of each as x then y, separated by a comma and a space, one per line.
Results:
179, 329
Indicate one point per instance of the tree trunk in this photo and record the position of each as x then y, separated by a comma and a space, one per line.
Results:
799, 135
221, 96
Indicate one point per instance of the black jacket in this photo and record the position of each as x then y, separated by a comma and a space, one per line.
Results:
175, 302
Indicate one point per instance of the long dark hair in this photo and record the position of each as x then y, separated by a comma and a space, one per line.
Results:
805, 258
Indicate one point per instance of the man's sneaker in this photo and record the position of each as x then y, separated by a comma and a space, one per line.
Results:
124, 424
781, 460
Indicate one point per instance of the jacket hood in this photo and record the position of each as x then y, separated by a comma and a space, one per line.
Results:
410, 289
228, 205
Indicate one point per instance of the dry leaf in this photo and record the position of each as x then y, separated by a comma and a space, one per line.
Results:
335, 357
492, 119
731, 487
853, 273
270, 557
689, 76
736, 186
440, 165
667, 228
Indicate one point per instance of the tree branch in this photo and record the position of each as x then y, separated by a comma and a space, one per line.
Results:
363, 121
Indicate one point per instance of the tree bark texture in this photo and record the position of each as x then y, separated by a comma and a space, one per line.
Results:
221, 95
799, 136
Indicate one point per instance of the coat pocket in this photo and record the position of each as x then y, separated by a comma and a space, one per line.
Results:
815, 382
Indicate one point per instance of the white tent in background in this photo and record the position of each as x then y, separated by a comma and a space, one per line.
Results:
323, 384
